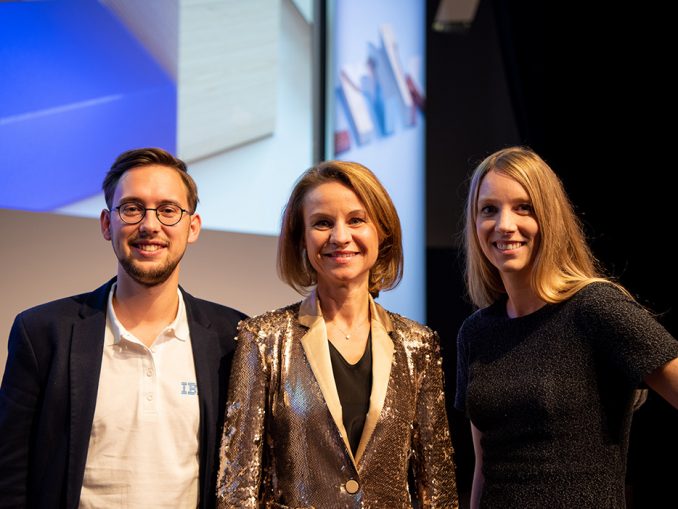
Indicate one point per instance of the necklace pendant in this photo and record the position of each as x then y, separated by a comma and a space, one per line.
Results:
348, 336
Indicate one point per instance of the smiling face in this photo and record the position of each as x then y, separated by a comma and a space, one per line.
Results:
506, 227
149, 252
341, 240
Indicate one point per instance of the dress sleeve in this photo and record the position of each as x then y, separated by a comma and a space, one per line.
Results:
241, 452
434, 468
624, 333
19, 395
462, 371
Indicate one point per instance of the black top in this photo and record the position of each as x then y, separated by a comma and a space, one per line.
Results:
552, 392
354, 384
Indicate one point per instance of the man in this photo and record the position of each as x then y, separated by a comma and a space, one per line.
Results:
115, 398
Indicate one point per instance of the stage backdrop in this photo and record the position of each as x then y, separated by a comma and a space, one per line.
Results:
226, 85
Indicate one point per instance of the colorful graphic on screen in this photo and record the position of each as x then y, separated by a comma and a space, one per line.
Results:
376, 99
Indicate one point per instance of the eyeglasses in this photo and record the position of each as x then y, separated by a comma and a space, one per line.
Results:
134, 213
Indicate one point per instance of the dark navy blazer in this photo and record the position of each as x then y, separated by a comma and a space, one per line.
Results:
49, 392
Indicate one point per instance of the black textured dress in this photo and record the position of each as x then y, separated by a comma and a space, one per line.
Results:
552, 394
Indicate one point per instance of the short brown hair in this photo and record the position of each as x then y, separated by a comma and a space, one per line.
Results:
294, 267
146, 157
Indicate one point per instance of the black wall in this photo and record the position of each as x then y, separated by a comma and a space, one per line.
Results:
587, 87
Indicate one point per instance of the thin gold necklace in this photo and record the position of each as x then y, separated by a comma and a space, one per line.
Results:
348, 336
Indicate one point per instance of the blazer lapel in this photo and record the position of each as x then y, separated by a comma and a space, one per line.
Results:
382, 359
87, 343
317, 352
206, 358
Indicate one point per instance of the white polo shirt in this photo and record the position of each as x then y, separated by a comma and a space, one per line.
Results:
143, 450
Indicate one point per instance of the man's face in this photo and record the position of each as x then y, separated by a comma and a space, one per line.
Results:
149, 252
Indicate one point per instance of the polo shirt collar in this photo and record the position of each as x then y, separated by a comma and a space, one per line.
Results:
178, 328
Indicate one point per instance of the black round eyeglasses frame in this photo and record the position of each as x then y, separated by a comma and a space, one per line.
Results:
157, 214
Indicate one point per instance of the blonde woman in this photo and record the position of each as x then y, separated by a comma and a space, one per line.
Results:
549, 365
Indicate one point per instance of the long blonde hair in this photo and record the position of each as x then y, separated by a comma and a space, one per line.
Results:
563, 262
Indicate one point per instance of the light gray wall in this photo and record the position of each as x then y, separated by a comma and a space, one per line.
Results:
46, 256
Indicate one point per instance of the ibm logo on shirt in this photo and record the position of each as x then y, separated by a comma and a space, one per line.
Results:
189, 388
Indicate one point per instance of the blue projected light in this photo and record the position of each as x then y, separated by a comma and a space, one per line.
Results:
77, 90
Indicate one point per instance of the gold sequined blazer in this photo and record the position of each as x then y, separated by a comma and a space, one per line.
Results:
284, 443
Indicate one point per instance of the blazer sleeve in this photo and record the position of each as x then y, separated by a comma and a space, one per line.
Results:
433, 465
241, 453
19, 395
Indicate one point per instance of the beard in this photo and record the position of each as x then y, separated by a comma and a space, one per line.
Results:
149, 277
139, 271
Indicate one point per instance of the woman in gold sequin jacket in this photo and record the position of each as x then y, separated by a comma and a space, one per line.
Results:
333, 400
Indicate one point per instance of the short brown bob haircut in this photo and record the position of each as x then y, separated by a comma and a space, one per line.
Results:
294, 267
147, 157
